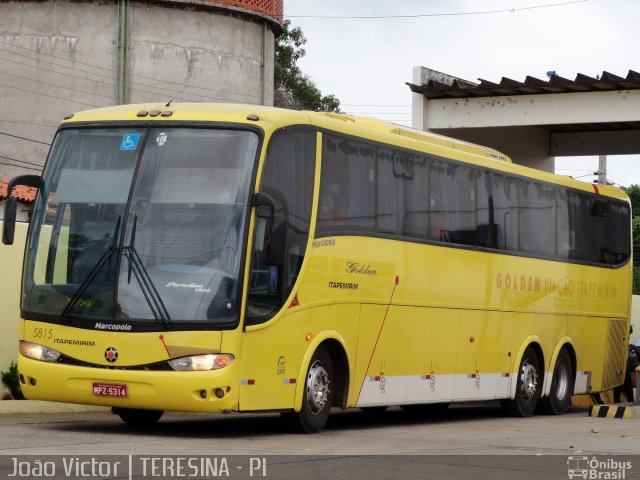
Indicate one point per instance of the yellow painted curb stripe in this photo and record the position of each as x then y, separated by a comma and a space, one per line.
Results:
610, 411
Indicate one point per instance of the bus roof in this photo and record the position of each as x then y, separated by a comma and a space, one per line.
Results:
271, 118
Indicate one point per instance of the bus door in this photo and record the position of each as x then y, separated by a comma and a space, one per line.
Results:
273, 345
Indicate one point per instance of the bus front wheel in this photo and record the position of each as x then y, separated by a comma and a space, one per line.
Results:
317, 396
559, 397
528, 387
136, 416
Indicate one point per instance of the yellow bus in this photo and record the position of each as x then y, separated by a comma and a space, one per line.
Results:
216, 258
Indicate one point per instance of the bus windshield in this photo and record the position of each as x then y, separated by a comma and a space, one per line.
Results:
143, 225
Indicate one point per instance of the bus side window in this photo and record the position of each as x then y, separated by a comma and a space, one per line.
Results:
564, 234
288, 179
347, 187
537, 218
619, 238
414, 199
453, 203
488, 227
388, 193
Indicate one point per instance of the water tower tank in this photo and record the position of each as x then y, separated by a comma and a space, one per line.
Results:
62, 56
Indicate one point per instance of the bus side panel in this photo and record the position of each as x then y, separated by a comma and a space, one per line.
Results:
272, 355
269, 363
596, 352
588, 335
378, 361
484, 353
434, 344
408, 359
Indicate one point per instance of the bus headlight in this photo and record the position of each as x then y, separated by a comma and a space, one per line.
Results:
38, 352
202, 362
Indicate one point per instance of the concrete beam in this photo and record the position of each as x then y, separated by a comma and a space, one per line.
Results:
623, 142
528, 146
531, 110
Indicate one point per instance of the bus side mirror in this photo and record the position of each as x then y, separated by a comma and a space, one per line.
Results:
275, 232
9, 223
11, 207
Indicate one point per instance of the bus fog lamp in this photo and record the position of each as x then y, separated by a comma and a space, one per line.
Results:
38, 352
201, 362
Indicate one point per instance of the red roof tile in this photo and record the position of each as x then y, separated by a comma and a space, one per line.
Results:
21, 193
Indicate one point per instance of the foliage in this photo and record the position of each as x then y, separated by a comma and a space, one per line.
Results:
634, 194
293, 89
636, 280
635, 228
11, 379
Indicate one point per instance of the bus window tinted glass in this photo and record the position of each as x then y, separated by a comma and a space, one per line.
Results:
600, 251
505, 203
288, 179
487, 219
579, 223
415, 199
347, 186
453, 204
387, 197
185, 230
619, 235
537, 217
564, 233
78, 220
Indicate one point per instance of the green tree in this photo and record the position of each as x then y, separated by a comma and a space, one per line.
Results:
292, 88
634, 194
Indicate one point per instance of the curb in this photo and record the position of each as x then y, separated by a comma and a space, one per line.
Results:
613, 411
40, 406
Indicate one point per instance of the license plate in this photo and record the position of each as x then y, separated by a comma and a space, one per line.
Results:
110, 390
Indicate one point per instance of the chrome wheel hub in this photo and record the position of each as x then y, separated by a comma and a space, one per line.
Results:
317, 387
529, 380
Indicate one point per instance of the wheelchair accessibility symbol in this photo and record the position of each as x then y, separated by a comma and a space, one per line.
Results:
130, 141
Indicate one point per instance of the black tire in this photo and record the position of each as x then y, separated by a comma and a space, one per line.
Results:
317, 396
559, 398
134, 416
528, 387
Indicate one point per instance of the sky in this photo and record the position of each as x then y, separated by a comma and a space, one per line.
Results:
365, 62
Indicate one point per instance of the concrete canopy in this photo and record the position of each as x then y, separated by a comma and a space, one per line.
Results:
536, 120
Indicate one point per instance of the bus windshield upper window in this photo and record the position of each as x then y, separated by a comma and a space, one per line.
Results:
184, 224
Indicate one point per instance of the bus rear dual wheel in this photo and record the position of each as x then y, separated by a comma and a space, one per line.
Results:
528, 398
559, 398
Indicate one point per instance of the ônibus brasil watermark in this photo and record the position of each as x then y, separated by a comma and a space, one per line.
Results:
597, 468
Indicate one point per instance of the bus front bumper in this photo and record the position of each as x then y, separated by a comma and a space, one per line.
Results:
204, 391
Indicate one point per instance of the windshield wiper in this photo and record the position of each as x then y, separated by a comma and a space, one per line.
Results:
104, 258
149, 290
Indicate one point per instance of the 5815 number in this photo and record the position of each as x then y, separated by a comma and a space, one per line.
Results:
43, 333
